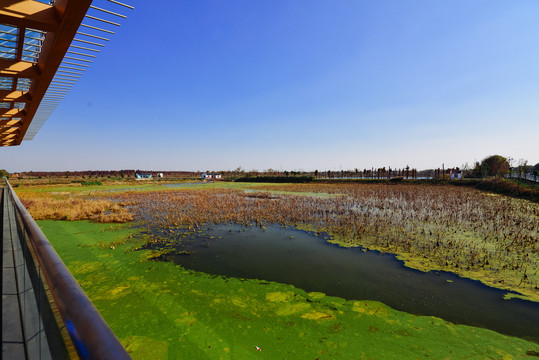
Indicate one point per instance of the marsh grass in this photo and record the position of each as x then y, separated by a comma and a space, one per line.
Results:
67, 206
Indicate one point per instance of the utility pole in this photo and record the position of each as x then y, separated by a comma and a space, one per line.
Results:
443, 172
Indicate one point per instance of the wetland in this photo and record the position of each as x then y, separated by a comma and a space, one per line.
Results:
293, 263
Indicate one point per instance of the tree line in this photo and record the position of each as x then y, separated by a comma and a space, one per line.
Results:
491, 166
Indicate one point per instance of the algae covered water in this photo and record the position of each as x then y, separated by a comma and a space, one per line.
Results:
159, 311
311, 263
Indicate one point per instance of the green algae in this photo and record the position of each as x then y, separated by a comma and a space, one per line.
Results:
162, 311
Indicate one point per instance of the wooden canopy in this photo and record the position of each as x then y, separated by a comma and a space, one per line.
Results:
38, 62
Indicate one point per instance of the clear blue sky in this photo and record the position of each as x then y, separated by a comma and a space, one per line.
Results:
301, 84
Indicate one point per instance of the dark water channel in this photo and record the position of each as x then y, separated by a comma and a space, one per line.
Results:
308, 262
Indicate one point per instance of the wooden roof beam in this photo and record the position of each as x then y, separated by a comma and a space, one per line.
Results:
20, 69
29, 13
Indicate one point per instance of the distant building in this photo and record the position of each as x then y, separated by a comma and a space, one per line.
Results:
455, 174
143, 176
208, 176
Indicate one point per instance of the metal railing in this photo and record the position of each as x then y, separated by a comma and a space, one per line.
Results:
88, 331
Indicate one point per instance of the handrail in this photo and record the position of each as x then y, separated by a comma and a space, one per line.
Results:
89, 332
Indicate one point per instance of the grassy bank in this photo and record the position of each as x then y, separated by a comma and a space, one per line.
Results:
162, 311
513, 188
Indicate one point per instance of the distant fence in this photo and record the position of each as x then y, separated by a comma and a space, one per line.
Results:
529, 177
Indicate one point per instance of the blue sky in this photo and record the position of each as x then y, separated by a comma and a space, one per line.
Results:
301, 85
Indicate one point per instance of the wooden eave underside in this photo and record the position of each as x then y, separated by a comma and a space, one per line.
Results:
60, 22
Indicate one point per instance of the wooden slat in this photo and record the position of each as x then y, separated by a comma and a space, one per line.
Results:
12, 113
8, 136
8, 130
20, 69
14, 96
29, 13
10, 123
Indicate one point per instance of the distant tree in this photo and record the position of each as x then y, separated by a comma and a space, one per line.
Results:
3, 173
466, 171
316, 173
476, 170
494, 165
523, 167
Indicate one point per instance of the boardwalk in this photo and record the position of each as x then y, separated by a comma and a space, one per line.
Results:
22, 330
45, 313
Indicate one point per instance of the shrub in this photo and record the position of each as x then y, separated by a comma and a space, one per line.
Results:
86, 183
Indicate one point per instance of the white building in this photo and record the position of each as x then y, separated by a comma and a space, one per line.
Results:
455, 175
209, 176
143, 176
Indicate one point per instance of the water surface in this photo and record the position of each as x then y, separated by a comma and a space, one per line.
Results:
309, 262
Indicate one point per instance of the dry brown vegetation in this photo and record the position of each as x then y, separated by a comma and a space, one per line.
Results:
67, 206
487, 237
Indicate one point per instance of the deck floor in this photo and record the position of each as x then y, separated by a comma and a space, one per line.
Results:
13, 346
23, 336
